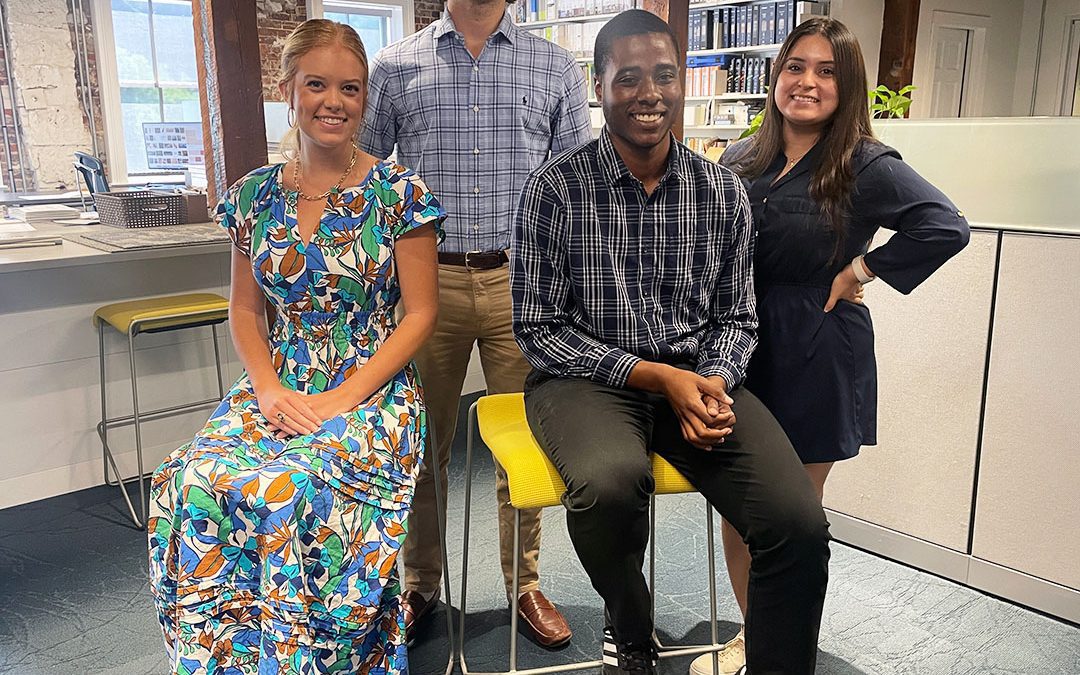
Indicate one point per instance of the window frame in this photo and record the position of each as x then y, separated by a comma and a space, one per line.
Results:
109, 81
316, 10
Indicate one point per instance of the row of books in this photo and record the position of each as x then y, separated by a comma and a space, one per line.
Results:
576, 38
764, 23
728, 75
525, 11
589, 71
717, 114
710, 148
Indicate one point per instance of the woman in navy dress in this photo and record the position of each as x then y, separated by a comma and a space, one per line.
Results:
820, 186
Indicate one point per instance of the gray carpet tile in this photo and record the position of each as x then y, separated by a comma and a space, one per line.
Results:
74, 598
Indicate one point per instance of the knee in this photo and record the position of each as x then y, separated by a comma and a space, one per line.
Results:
615, 490
797, 532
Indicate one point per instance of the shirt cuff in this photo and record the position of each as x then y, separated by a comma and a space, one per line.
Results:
614, 368
725, 369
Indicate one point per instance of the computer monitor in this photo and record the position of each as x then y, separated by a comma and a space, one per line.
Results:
173, 146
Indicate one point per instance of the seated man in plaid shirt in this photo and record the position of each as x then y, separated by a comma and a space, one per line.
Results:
634, 303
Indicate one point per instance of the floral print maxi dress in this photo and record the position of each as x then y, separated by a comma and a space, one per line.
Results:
279, 556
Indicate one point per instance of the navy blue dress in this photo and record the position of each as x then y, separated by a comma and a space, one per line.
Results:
814, 370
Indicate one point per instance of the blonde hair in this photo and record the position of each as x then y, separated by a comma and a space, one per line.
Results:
313, 34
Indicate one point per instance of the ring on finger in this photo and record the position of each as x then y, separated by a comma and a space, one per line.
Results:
281, 417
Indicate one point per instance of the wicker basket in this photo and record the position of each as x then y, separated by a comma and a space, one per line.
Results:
139, 208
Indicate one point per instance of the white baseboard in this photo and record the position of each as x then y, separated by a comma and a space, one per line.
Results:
1024, 589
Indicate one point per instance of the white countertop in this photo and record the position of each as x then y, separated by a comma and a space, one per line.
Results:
70, 254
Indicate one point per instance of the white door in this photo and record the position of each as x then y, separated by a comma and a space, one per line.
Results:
952, 54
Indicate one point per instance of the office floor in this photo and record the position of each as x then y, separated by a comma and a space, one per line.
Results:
74, 599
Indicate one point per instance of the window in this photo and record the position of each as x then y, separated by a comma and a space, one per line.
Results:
146, 52
377, 23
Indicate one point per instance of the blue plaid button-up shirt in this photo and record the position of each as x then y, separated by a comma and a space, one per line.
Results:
475, 128
604, 275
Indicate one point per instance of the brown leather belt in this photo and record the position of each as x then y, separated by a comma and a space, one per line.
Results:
475, 260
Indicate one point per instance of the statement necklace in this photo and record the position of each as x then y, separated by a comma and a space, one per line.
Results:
334, 189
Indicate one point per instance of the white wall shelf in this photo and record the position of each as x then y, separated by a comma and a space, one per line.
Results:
718, 130
711, 4
527, 25
731, 96
754, 49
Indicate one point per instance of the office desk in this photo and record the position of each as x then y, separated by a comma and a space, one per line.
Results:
66, 197
49, 366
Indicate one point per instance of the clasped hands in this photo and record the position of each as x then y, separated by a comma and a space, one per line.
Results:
290, 413
702, 406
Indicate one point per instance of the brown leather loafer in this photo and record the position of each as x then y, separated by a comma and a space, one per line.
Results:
548, 626
414, 606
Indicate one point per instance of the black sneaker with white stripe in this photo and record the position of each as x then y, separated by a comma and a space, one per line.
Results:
627, 659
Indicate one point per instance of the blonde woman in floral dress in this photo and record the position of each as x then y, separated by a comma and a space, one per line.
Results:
274, 534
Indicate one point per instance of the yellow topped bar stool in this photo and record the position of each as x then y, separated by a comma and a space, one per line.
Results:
152, 315
535, 483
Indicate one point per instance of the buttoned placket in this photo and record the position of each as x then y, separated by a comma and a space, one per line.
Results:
475, 114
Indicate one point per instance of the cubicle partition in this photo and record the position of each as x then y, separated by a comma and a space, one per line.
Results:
976, 475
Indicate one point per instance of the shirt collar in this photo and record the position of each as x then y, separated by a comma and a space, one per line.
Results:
506, 28
615, 170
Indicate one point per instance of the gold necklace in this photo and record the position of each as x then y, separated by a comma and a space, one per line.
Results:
793, 161
334, 189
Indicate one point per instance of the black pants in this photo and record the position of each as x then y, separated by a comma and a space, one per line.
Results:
598, 437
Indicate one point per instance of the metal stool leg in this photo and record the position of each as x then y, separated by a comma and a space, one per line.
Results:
103, 431
514, 597
440, 513
465, 540
217, 362
715, 634
138, 430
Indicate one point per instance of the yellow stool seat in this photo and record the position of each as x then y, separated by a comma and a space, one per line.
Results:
534, 481
171, 311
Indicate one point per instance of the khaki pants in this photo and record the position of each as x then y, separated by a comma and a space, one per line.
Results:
474, 307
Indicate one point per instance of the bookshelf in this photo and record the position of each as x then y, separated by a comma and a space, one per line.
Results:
730, 48
590, 18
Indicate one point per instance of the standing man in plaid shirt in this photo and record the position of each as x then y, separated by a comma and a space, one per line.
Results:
474, 104
634, 302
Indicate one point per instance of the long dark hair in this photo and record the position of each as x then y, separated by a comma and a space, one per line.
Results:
832, 183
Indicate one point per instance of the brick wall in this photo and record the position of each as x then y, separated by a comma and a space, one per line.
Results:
277, 18
10, 162
426, 11
83, 29
49, 106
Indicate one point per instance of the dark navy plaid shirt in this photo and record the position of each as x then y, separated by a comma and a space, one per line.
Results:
475, 128
604, 275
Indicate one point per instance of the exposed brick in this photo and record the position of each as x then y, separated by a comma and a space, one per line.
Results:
277, 18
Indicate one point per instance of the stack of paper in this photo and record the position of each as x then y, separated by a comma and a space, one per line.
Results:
39, 213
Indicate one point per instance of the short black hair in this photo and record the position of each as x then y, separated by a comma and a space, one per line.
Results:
624, 24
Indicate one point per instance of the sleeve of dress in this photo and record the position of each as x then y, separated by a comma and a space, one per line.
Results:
543, 301
929, 228
234, 211
410, 204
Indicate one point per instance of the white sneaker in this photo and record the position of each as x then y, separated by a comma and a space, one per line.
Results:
730, 659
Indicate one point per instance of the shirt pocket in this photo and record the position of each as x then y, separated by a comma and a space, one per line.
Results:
535, 111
